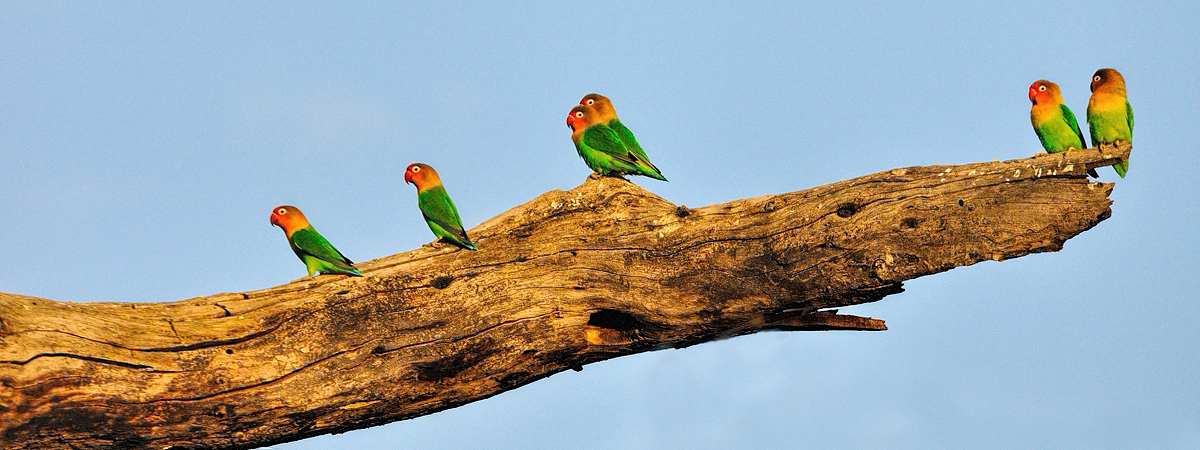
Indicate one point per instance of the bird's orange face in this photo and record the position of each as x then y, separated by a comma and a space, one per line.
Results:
288, 217
1042, 91
1103, 77
601, 104
580, 118
421, 176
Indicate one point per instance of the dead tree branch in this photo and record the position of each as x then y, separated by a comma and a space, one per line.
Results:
569, 278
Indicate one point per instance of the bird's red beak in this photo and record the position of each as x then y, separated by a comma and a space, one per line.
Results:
571, 121
408, 176
275, 221
1032, 92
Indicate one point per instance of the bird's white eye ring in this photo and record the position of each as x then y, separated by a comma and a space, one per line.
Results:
281, 211
591, 101
416, 169
1042, 88
1096, 78
578, 113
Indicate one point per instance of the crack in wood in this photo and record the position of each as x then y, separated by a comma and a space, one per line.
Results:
81, 358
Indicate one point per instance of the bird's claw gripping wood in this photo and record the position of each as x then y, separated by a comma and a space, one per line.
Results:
570, 278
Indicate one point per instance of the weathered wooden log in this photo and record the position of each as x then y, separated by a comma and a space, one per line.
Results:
570, 278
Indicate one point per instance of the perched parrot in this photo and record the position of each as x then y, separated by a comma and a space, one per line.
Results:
601, 148
1109, 116
436, 206
608, 116
317, 253
1053, 121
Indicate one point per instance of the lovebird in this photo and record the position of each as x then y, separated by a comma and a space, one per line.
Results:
601, 148
608, 116
1053, 121
1109, 116
317, 253
436, 206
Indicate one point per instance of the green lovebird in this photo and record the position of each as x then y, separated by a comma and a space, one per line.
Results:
1053, 121
1109, 116
608, 116
601, 148
317, 253
436, 206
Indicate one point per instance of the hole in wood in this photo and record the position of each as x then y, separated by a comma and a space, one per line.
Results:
615, 320
441, 282
847, 209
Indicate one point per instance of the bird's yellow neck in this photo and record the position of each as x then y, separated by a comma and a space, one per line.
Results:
1043, 112
1104, 100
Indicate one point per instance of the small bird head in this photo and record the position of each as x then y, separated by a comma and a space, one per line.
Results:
422, 176
580, 118
601, 104
1108, 79
1044, 92
289, 218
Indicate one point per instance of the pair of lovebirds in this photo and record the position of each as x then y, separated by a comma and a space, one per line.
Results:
604, 143
1109, 116
319, 256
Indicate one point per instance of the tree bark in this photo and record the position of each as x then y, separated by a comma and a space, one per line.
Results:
570, 278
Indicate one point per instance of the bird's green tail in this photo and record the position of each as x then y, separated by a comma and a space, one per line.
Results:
649, 170
317, 265
1121, 167
460, 243
339, 270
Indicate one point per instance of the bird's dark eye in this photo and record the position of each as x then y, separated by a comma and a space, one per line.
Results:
1096, 78
416, 169
591, 101
579, 114
1042, 88
281, 211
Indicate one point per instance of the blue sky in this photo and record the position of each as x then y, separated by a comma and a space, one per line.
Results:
142, 146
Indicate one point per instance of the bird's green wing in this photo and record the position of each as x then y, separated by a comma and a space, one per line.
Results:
635, 149
627, 138
439, 210
1074, 124
604, 139
309, 241
1129, 116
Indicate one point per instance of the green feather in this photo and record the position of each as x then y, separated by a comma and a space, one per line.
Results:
1123, 167
605, 153
442, 217
1129, 118
319, 255
1074, 124
1110, 126
1060, 133
627, 138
